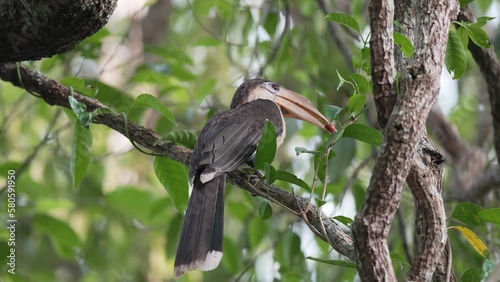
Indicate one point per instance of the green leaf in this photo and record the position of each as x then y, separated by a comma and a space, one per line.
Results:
206, 88
404, 44
291, 178
476, 274
100, 111
342, 263
131, 201
476, 34
173, 234
269, 173
363, 133
361, 82
232, 256
356, 103
9, 165
320, 161
180, 71
79, 86
81, 147
288, 252
118, 100
464, 3
341, 81
356, 61
319, 166
152, 73
344, 19
331, 112
366, 57
271, 23
256, 230
174, 177
181, 137
147, 100
91, 47
302, 150
61, 234
472, 275
398, 24
58, 229
468, 213
481, 21
169, 54
464, 38
488, 268
48, 204
80, 111
265, 210
319, 202
491, 215
344, 220
400, 258
266, 149
207, 41
365, 53
455, 58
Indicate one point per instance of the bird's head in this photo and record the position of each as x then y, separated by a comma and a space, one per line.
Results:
292, 105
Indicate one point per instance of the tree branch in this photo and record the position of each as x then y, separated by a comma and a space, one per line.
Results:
446, 134
468, 162
486, 182
425, 180
56, 94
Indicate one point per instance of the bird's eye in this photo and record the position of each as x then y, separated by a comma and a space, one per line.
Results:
275, 86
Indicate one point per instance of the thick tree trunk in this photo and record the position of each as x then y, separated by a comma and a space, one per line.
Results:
404, 123
31, 30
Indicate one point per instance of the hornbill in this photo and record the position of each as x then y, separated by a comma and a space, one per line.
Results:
228, 140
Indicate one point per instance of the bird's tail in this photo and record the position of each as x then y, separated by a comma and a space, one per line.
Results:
200, 244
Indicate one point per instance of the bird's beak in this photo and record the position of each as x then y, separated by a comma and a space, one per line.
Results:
294, 105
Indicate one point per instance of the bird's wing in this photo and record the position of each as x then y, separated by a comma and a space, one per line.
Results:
230, 138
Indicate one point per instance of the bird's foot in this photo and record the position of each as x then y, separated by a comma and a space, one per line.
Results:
254, 176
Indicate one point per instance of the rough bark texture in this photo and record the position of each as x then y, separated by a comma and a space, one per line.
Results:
56, 94
425, 175
419, 90
31, 30
425, 181
382, 58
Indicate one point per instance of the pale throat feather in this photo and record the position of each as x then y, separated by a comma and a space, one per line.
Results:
280, 138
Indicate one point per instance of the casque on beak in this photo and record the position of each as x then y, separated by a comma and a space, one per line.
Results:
296, 106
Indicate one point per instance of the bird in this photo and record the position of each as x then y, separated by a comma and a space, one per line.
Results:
228, 140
